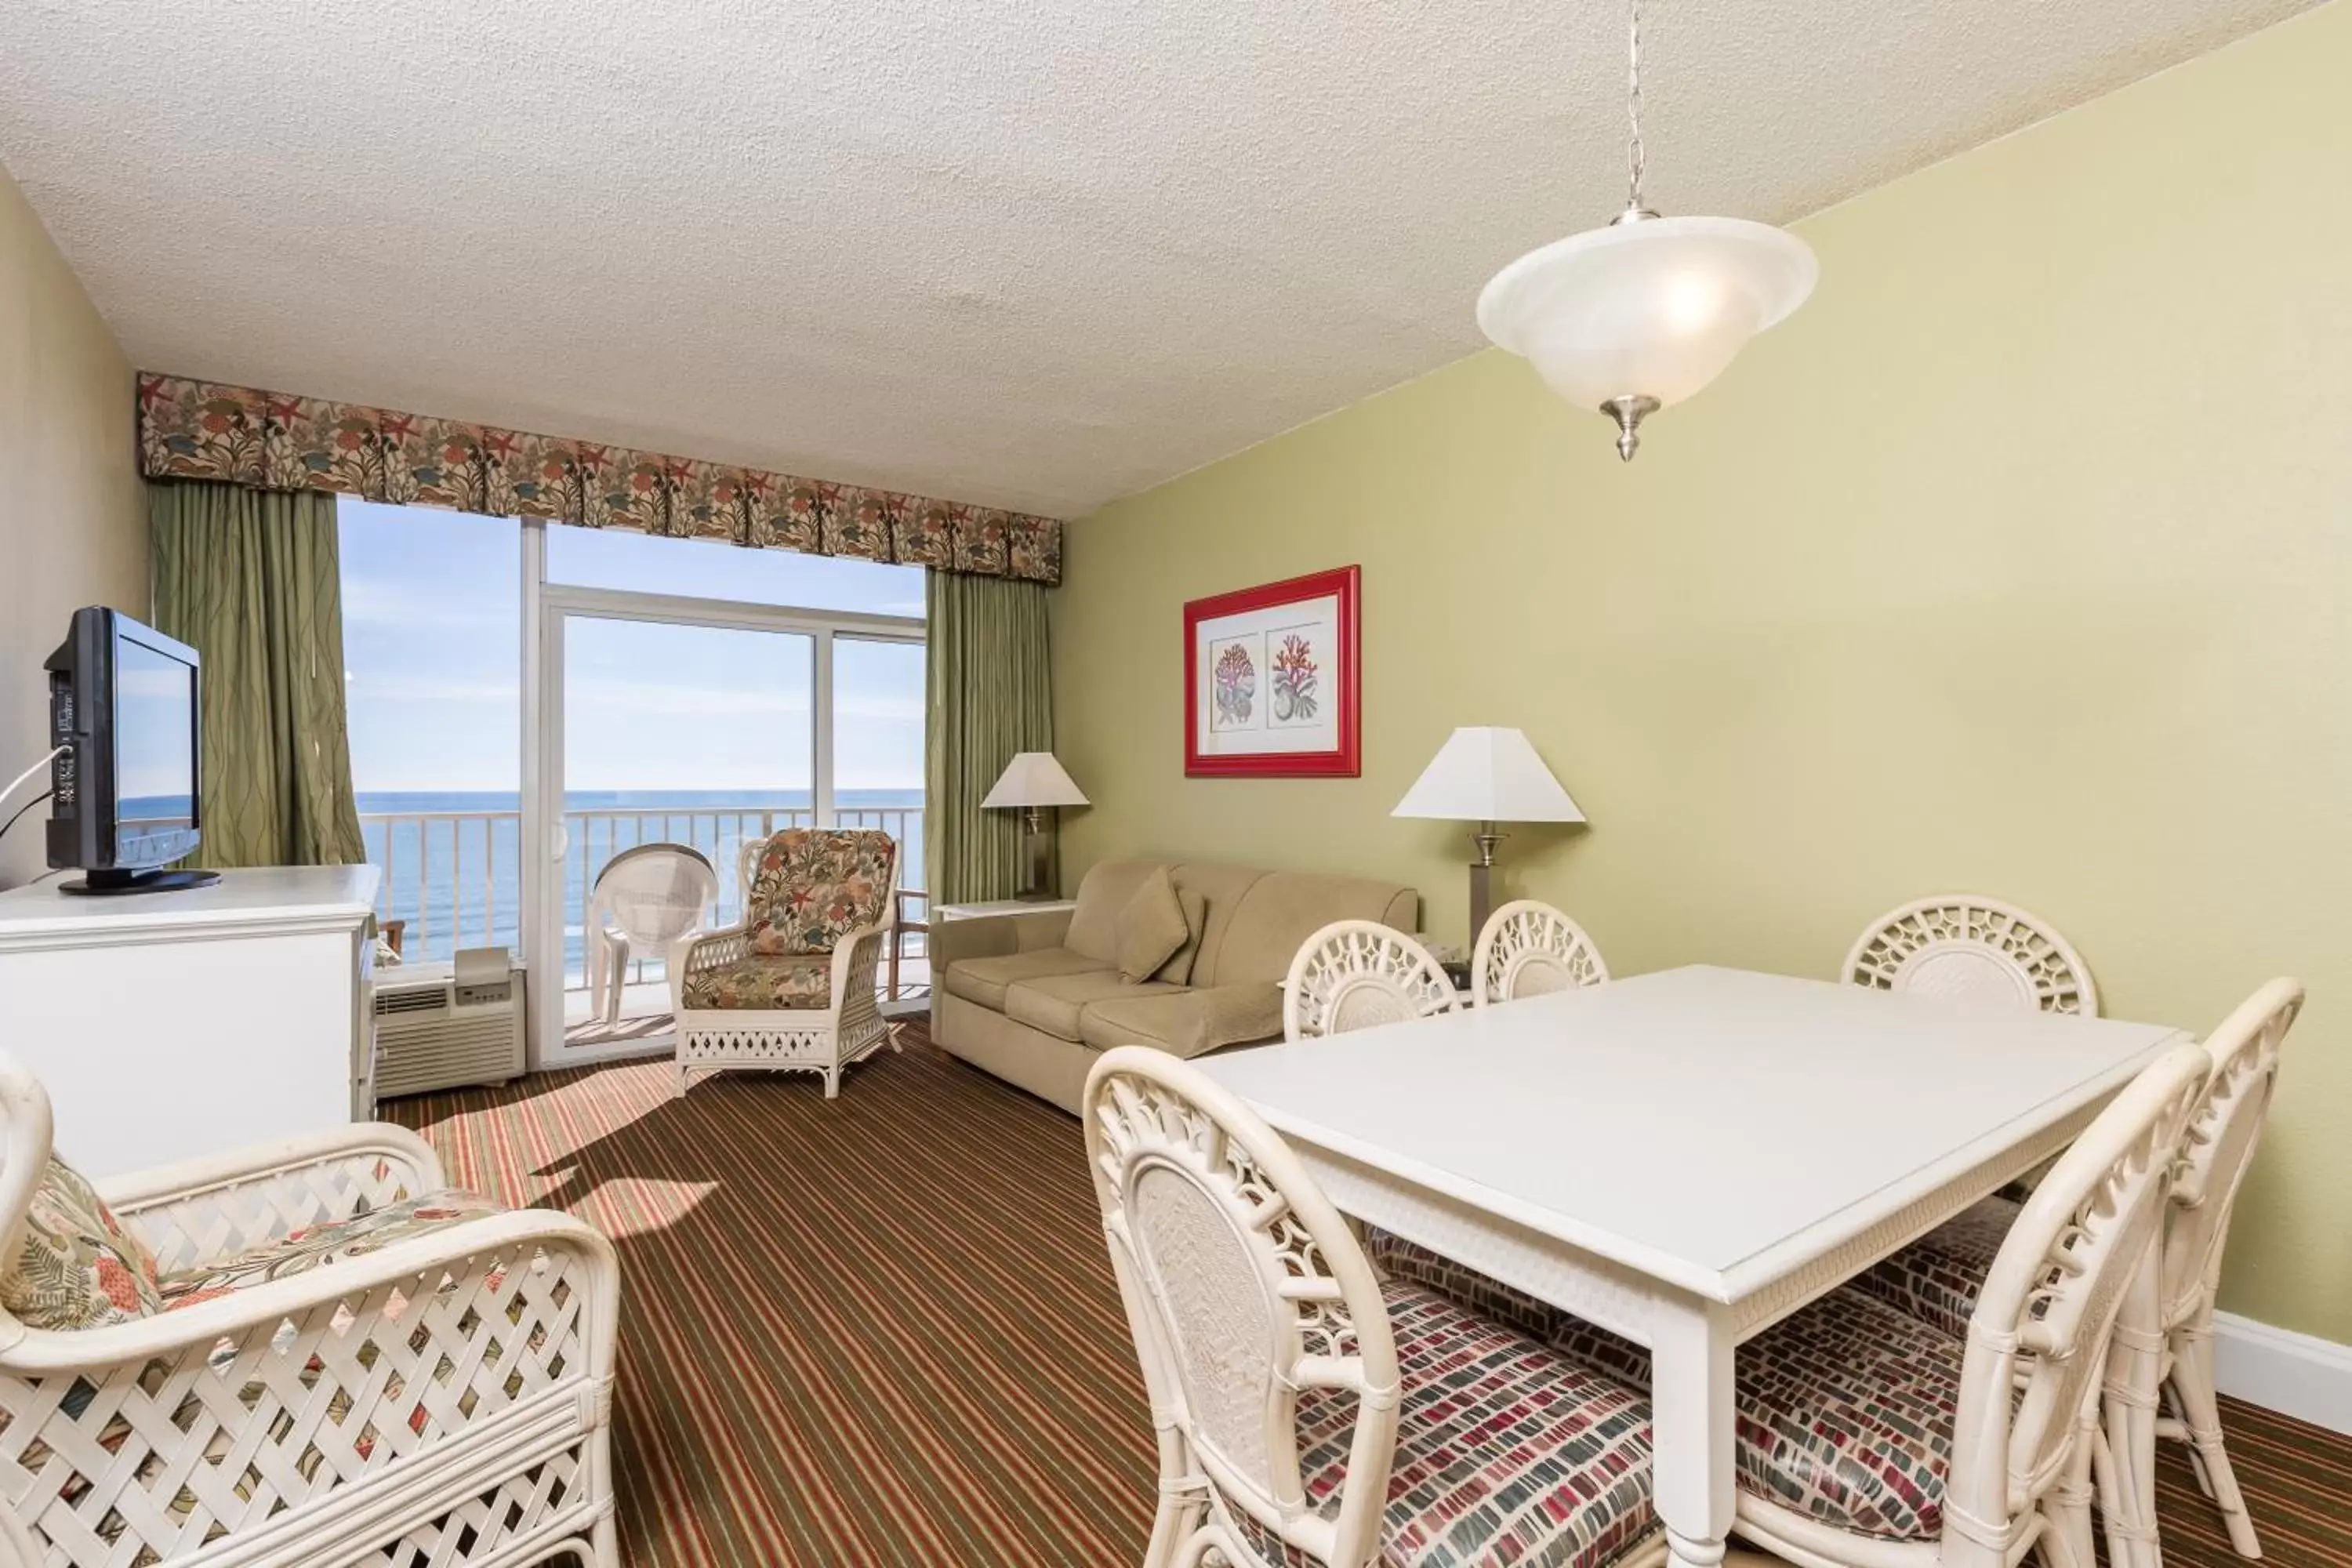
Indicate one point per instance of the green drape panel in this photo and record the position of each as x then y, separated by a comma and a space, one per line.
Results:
991, 692
251, 580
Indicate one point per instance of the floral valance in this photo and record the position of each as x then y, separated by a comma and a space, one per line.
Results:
202, 430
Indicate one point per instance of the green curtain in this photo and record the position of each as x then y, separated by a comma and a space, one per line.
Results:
990, 693
251, 580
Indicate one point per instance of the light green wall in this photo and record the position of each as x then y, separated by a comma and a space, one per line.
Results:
73, 519
2020, 560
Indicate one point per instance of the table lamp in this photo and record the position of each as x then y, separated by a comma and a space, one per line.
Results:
1486, 776
1034, 783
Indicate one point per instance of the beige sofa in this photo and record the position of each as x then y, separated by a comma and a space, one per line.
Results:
1034, 998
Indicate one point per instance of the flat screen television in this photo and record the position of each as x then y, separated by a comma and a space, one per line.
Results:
126, 702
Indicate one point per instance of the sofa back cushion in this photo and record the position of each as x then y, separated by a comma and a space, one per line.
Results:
1102, 895
813, 886
1261, 932
1252, 921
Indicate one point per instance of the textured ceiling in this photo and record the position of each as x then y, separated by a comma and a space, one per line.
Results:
1031, 253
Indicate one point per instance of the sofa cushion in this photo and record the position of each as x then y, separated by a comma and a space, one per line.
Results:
1053, 1003
76, 1266
763, 985
1177, 970
1281, 909
1102, 894
1185, 1023
1150, 928
984, 980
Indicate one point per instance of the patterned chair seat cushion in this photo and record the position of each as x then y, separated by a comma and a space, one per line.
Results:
1506, 1452
318, 1246
1845, 1409
76, 1266
813, 886
1937, 1278
762, 984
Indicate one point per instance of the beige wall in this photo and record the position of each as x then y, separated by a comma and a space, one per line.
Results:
73, 526
2020, 560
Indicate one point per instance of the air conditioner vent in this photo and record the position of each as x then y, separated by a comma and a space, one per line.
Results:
432, 1033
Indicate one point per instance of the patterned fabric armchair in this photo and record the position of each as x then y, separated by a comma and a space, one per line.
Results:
791, 989
311, 1351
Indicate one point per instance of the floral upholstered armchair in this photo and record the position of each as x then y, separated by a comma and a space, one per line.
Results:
791, 989
310, 1351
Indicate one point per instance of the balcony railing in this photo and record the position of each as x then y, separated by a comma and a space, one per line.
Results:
456, 877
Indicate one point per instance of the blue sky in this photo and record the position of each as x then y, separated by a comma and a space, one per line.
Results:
431, 639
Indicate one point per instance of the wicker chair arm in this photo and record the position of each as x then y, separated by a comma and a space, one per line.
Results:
713, 949
42, 1352
191, 1212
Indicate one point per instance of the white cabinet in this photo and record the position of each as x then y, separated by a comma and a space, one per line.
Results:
170, 1024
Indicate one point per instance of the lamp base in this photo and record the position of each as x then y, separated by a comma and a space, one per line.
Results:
1036, 857
1482, 900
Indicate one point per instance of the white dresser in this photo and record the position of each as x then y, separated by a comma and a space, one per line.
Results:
170, 1025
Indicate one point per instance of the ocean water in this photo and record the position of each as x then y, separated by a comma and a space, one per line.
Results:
453, 868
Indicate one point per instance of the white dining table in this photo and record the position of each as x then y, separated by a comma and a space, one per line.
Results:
1686, 1157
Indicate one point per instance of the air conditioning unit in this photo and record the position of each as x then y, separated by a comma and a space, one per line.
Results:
439, 1026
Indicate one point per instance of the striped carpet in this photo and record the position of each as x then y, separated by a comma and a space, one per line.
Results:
882, 1331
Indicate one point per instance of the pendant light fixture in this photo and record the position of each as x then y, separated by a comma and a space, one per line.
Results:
1643, 314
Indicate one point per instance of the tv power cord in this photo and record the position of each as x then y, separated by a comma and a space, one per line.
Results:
55, 752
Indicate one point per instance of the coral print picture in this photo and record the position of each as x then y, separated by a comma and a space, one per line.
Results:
1270, 680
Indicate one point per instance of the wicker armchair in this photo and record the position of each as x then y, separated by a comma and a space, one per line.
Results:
791, 988
309, 1352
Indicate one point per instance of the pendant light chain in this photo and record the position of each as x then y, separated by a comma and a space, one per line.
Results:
1634, 110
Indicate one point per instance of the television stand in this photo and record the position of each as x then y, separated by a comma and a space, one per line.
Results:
101, 884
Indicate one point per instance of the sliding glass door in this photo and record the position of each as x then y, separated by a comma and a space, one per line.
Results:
527, 700
688, 726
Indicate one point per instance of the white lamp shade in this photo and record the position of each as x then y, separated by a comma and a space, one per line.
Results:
1488, 776
1655, 307
1034, 778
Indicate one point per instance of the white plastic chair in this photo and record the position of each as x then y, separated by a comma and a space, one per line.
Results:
1352, 975
647, 899
1530, 948
1977, 951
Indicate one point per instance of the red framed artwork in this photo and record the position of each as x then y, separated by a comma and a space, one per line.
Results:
1273, 683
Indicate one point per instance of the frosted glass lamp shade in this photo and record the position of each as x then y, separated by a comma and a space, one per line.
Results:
1033, 778
1654, 308
1485, 774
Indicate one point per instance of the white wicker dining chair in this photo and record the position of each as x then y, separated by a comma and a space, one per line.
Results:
2221, 1143
648, 899
303, 1354
789, 988
1352, 975
1308, 1414
1979, 952
1940, 1277
2065, 1323
1528, 948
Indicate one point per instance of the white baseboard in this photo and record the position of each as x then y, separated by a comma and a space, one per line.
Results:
2300, 1376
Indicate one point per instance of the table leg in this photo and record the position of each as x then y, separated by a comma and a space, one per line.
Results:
1691, 1397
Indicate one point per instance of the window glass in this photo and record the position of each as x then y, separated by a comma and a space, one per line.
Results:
713, 569
877, 743
432, 684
